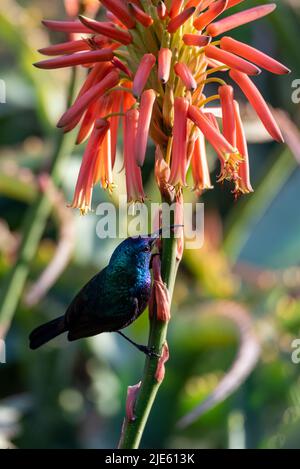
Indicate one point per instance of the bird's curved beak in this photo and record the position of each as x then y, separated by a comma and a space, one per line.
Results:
152, 240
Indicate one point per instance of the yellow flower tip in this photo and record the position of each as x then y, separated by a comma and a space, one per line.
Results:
109, 186
231, 166
240, 189
84, 210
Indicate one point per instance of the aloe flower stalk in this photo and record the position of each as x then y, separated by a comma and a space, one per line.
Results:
148, 65
153, 55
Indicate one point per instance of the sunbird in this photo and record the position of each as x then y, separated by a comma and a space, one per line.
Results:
111, 300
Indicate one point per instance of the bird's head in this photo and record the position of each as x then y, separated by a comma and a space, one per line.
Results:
135, 251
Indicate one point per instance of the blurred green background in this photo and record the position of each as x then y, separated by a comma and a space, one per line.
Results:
73, 395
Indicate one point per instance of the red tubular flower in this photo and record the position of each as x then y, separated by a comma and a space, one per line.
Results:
67, 26
199, 165
231, 60
176, 6
180, 19
66, 48
134, 184
98, 72
85, 182
184, 73
83, 102
103, 172
140, 15
81, 58
254, 55
243, 17
179, 147
164, 64
113, 19
98, 109
121, 66
161, 10
142, 73
213, 120
228, 118
244, 184
258, 103
213, 11
88, 122
147, 101
214, 137
119, 53
196, 40
128, 99
107, 29
117, 97
120, 10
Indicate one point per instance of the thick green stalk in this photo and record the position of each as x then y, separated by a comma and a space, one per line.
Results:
34, 225
133, 430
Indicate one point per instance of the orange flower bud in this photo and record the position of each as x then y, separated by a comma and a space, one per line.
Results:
231, 60
83, 102
164, 64
120, 10
254, 55
228, 119
107, 29
81, 58
147, 101
196, 40
258, 103
142, 73
213, 11
180, 19
182, 70
140, 15
179, 147
243, 17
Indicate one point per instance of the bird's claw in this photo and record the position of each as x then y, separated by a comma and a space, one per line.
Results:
151, 353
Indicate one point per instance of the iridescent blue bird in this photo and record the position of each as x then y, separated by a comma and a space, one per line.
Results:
111, 300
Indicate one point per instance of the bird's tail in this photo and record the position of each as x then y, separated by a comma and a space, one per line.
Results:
46, 332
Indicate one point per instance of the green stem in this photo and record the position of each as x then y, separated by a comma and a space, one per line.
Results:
33, 228
132, 431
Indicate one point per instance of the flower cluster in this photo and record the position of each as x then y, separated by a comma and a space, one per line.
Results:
148, 66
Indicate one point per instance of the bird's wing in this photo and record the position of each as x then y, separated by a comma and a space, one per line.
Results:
88, 302
95, 309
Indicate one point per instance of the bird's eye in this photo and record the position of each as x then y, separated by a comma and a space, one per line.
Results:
146, 249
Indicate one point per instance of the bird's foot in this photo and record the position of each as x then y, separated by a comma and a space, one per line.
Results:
149, 351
